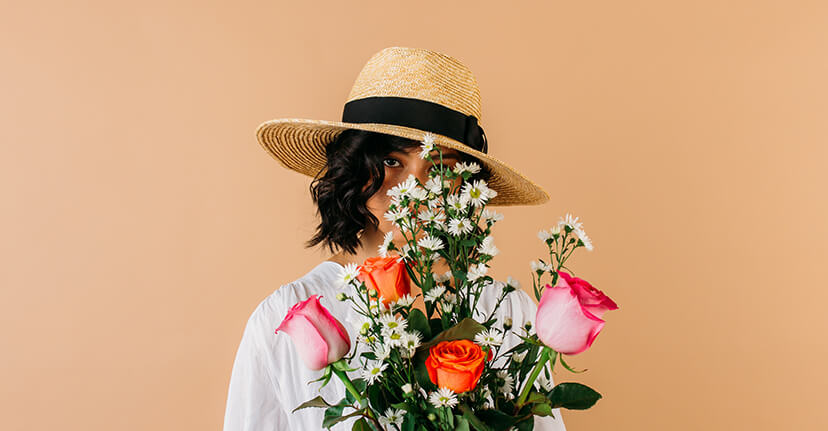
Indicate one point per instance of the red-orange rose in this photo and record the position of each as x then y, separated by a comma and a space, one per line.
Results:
387, 276
456, 365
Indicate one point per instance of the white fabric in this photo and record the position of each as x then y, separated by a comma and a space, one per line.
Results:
269, 379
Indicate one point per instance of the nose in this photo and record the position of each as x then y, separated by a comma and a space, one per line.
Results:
419, 170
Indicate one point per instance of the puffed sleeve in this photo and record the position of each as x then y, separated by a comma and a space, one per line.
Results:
524, 309
252, 398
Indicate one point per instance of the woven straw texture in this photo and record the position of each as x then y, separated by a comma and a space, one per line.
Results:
299, 144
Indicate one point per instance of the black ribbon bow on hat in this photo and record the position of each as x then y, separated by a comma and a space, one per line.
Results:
418, 114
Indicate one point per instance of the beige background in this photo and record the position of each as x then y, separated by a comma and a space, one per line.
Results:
142, 223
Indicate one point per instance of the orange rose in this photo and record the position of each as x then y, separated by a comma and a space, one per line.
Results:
456, 365
385, 275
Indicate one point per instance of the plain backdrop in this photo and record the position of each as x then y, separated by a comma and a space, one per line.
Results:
142, 222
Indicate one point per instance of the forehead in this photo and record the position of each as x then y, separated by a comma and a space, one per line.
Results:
447, 152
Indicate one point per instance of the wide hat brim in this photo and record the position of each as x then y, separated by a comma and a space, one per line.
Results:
299, 144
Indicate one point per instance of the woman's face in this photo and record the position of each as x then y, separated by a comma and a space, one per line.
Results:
398, 166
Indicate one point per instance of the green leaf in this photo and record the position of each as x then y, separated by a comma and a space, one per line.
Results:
316, 402
361, 425
409, 422
526, 425
535, 397
542, 409
465, 330
573, 396
460, 423
418, 321
497, 420
421, 372
332, 416
377, 398
475, 422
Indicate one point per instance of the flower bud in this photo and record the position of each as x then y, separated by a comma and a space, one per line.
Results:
527, 326
407, 389
432, 417
507, 323
341, 296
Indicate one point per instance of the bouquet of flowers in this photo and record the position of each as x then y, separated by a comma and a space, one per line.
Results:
442, 367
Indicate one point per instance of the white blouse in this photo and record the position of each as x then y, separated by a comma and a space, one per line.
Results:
269, 379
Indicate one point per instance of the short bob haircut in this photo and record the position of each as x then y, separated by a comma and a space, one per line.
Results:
354, 160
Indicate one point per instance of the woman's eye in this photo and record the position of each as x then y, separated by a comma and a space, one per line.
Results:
391, 163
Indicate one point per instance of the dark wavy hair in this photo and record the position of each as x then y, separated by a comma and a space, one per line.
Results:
354, 172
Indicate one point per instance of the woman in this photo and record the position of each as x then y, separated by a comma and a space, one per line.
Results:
400, 95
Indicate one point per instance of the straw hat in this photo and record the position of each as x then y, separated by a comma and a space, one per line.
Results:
405, 92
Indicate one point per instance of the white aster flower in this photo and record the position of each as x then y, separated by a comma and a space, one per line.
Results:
431, 216
443, 397
476, 271
435, 185
488, 338
584, 238
457, 202
490, 215
403, 301
543, 235
487, 247
461, 167
418, 193
427, 145
507, 386
348, 273
435, 293
512, 282
392, 416
373, 371
381, 351
442, 278
391, 324
403, 189
386, 244
519, 357
459, 226
396, 215
430, 243
540, 266
570, 221
478, 193
450, 298
555, 230
543, 382
410, 342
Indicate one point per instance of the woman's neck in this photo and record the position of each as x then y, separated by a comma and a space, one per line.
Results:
368, 245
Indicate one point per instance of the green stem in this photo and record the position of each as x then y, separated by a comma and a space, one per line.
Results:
349, 386
529, 383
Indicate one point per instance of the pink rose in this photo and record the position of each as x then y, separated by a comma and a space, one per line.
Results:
569, 314
319, 337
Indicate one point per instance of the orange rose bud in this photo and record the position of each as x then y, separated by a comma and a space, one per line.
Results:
456, 365
387, 276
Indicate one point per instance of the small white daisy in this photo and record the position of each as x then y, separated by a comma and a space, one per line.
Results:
442, 278
584, 238
555, 230
512, 282
373, 370
385, 247
478, 193
435, 186
435, 293
490, 215
450, 298
476, 271
459, 226
348, 273
381, 351
461, 167
487, 247
418, 194
543, 382
543, 235
431, 216
505, 383
443, 397
392, 416
488, 338
404, 301
458, 203
519, 357
396, 215
391, 323
540, 266
427, 145
407, 388
403, 189
410, 342
430, 243
569, 221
